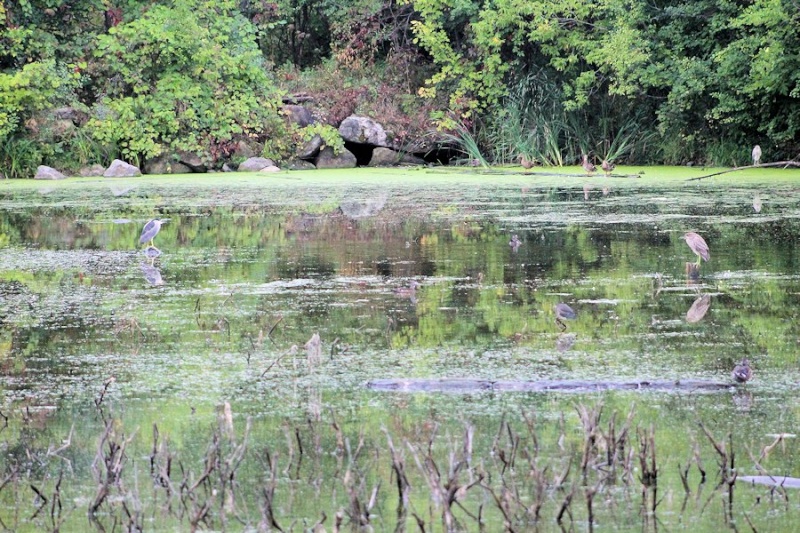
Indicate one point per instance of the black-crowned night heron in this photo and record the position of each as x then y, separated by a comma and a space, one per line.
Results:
698, 246
515, 243
756, 154
564, 312
150, 231
607, 167
587, 165
742, 372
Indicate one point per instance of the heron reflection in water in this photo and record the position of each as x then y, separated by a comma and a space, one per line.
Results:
698, 309
564, 312
151, 274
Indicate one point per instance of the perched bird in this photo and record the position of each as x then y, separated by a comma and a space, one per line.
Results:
756, 154
698, 246
742, 372
607, 167
564, 312
150, 231
588, 166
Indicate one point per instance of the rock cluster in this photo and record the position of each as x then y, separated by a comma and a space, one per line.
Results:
366, 143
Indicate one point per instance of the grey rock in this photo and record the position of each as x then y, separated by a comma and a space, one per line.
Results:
121, 169
269, 169
362, 130
246, 149
386, 157
327, 159
48, 173
311, 148
192, 160
254, 164
299, 164
298, 114
91, 171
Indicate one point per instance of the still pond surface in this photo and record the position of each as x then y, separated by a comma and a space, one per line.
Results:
235, 377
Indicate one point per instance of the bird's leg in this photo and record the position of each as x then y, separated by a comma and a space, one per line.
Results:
561, 324
699, 258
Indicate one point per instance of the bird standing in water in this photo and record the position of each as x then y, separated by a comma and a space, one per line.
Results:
564, 312
742, 372
525, 162
607, 167
756, 154
150, 231
587, 165
698, 246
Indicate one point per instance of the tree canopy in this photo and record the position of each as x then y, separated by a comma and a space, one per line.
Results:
669, 81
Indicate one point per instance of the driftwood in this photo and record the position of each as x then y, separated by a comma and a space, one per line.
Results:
783, 164
772, 481
473, 385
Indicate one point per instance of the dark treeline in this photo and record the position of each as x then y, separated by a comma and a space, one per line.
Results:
673, 81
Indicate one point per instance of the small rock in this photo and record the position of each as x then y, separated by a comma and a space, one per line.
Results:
91, 171
299, 164
271, 168
48, 173
121, 169
254, 164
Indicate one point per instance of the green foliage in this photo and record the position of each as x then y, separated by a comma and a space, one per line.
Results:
187, 76
26, 91
330, 135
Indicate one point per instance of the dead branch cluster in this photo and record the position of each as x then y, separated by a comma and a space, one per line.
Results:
581, 471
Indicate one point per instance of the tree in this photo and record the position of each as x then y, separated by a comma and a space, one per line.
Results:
185, 76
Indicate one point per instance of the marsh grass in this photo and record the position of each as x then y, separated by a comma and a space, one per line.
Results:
19, 157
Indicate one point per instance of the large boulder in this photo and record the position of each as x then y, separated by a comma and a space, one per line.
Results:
48, 173
298, 114
310, 148
362, 130
192, 160
121, 169
386, 157
255, 164
344, 159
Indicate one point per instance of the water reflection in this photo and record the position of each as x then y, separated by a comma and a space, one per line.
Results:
151, 274
565, 341
213, 333
757, 203
698, 309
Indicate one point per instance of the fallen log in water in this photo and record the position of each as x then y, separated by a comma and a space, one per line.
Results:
772, 481
475, 385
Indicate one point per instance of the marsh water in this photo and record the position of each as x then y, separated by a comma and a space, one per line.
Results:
135, 369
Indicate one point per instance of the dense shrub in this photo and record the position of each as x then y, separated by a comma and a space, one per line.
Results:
187, 76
